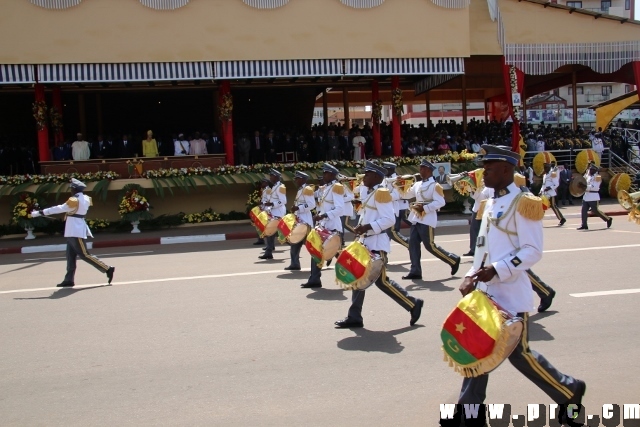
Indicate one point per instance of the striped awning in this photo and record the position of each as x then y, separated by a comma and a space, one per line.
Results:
72, 73
404, 66
280, 68
265, 4
362, 4
56, 4
540, 59
452, 4
431, 82
13, 74
164, 4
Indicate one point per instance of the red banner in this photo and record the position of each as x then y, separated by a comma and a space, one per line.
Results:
511, 87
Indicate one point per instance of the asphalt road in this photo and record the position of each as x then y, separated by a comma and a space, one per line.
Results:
209, 335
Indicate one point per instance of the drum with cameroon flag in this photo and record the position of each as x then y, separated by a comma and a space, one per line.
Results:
478, 335
260, 219
357, 268
285, 226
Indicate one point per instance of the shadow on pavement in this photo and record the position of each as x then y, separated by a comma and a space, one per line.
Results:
382, 341
537, 332
63, 293
433, 286
294, 275
322, 294
22, 268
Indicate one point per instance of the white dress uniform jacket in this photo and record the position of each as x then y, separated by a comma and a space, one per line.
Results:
426, 192
331, 202
377, 210
348, 210
551, 180
395, 194
278, 196
76, 205
592, 193
265, 197
479, 196
514, 241
305, 202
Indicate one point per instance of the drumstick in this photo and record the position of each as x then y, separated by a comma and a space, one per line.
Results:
484, 258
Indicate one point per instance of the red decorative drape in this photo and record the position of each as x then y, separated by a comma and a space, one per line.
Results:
57, 104
397, 146
43, 134
636, 73
375, 97
509, 89
227, 125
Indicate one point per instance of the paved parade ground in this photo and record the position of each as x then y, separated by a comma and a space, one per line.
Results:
209, 335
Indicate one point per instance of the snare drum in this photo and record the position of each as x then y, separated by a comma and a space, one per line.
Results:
272, 226
357, 268
299, 232
260, 220
322, 244
478, 335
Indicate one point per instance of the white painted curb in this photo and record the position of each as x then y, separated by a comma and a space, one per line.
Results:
193, 239
49, 248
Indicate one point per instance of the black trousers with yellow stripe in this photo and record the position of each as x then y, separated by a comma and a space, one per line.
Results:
534, 366
386, 285
77, 248
421, 233
539, 287
554, 208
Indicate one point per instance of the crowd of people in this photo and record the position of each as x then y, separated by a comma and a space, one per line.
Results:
320, 143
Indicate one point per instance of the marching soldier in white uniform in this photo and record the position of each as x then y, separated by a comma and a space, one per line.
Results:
550, 183
377, 215
265, 188
591, 198
544, 291
330, 207
277, 205
348, 210
429, 198
75, 231
303, 204
394, 232
511, 238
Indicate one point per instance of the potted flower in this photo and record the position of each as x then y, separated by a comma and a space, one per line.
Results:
24, 204
134, 206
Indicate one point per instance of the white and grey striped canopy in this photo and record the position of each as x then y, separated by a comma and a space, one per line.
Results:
258, 4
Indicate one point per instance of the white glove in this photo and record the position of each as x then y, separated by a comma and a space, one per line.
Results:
35, 214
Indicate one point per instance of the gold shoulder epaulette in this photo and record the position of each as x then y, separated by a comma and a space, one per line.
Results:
439, 190
338, 189
72, 202
283, 189
267, 190
598, 178
530, 207
519, 180
554, 174
308, 191
481, 209
383, 196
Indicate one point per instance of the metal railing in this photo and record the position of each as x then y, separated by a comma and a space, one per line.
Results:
619, 165
632, 136
608, 160
596, 9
